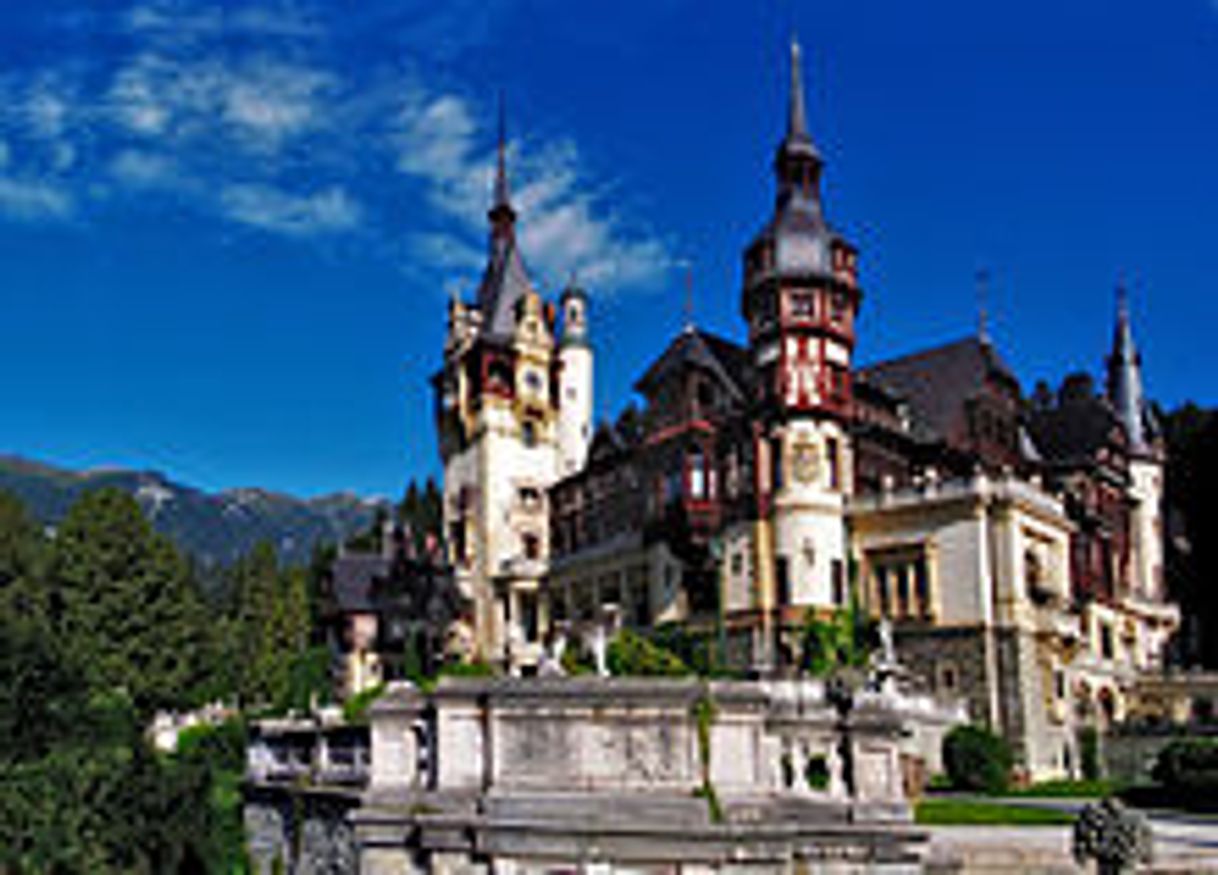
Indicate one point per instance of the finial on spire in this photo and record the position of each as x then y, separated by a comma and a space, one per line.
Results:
689, 296
1122, 298
503, 196
797, 116
983, 305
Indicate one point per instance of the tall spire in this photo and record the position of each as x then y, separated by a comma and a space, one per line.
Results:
1125, 378
798, 163
503, 194
505, 280
797, 138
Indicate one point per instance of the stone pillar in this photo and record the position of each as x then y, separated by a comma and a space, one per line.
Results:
395, 747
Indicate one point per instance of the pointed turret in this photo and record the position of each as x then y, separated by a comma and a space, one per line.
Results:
502, 214
798, 162
502, 200
797, 240
798, 138
1125, 381
505, 281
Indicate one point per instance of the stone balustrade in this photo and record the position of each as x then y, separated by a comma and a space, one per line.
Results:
544, 772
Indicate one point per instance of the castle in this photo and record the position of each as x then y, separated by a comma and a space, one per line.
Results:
1015, 544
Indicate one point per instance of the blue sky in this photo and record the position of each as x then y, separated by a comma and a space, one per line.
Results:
227, 231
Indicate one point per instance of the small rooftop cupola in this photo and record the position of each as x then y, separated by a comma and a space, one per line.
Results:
505, 281
1125, 381
798, 162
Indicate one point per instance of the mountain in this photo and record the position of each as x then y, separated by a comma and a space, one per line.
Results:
213, 527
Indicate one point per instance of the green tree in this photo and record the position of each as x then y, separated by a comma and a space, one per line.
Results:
122, 595
977, 759
270, 632
22, 560
255, 588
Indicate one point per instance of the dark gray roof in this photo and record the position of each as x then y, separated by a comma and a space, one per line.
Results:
695, 347
1075, 428
504, 284
936, 383
1125, 390
354, 576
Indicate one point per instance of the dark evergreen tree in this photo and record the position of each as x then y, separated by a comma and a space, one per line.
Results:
120, 592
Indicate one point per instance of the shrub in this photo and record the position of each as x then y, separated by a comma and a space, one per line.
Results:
631, 654
816, 772
355, 709
977, 759
1089, 752
1189, 765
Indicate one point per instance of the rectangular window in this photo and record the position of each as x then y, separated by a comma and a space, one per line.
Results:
837, 579
882, 591
922, 587
456, 537
528, 615
782, 580
696, 462
531, 545
837, 308
833, 454
904, 606
776, 466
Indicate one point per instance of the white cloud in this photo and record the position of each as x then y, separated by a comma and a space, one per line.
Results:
33, 200
144, 169
47, 108
250, 112
565, 226
271, 209
445, 252
178, 21
256, 103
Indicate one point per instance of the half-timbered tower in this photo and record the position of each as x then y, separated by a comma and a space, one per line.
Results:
800, 300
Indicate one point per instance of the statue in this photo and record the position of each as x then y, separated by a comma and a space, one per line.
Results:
888, 651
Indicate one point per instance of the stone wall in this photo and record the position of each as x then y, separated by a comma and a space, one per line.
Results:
539, 774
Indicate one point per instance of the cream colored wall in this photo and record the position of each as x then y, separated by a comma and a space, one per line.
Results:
575, 408
808, 516
1147, 490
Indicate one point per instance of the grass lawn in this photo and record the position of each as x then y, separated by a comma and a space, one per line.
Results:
1068, 789
949, 812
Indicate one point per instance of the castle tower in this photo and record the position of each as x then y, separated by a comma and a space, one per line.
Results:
1146, 458
497, 419
800, 300
575, 382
